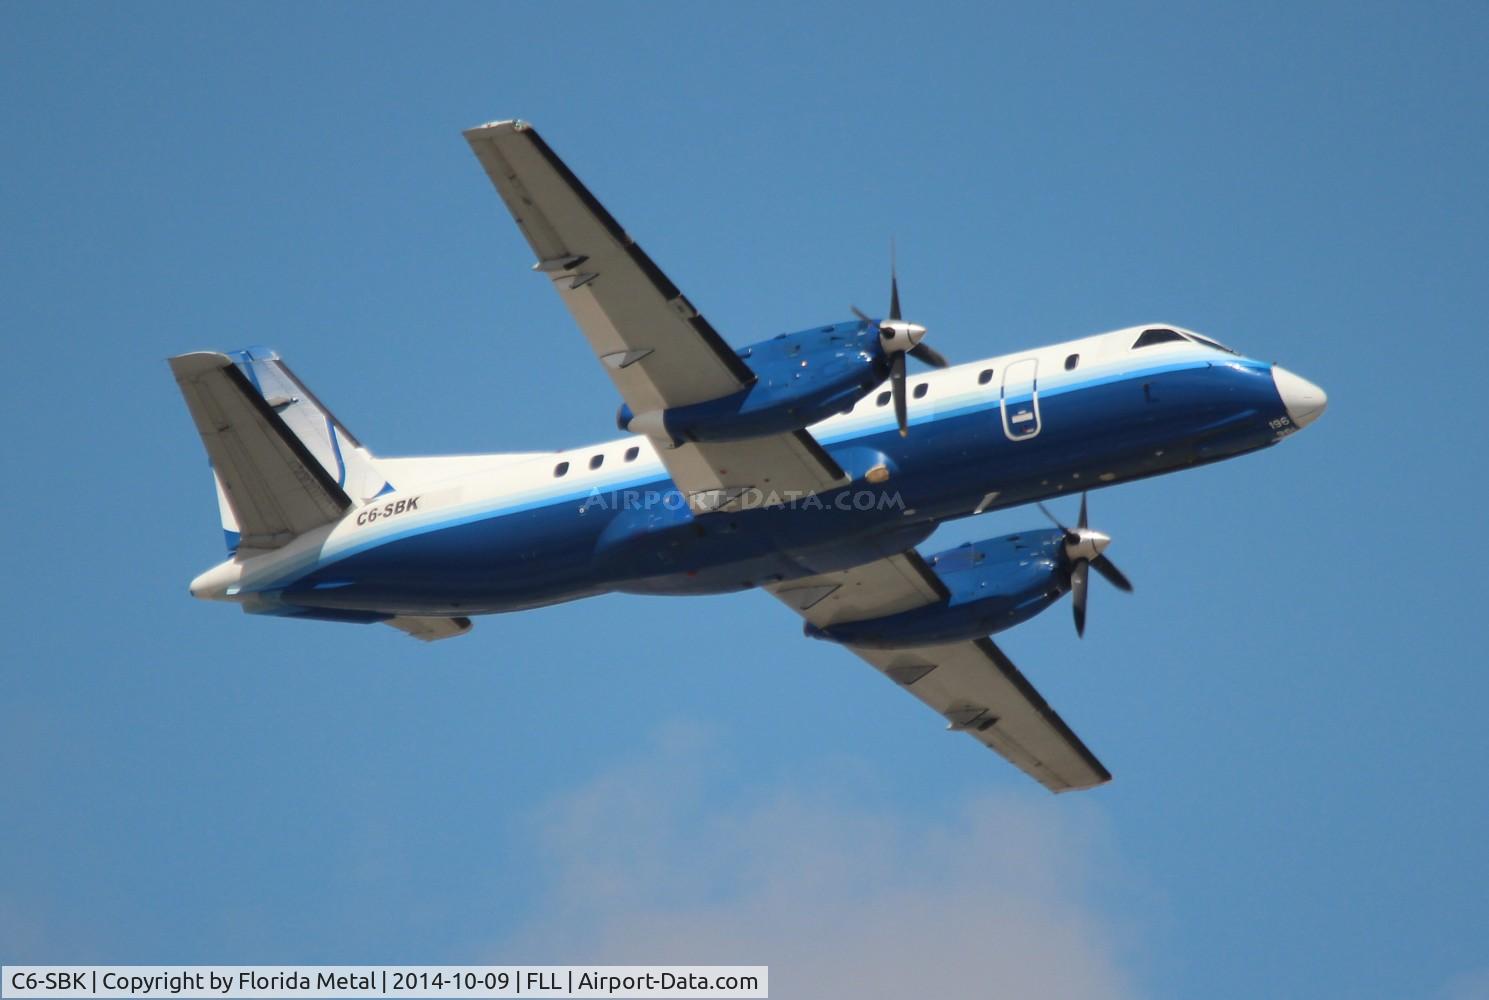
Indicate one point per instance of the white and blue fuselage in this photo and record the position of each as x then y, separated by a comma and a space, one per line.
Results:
483, 534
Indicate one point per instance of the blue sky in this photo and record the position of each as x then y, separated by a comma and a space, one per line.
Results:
1292, 702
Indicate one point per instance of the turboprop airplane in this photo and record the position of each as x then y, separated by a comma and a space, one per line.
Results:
811, 465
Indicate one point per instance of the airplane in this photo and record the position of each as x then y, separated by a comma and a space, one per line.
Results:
811, 465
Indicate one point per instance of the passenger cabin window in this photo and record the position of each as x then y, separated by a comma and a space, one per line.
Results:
631, 454
883, 399
561, 469
1071, 362
985, 376
596, 461
1157, 335
921, 389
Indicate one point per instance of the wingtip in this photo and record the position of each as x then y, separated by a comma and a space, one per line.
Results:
505, 125
197, 362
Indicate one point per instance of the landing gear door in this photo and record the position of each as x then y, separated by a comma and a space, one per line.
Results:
1021, 399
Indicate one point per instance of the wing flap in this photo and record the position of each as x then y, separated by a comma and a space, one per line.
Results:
873, 590
739, 475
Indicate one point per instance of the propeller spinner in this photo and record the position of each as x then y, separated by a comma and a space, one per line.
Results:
1084, 551
899, 338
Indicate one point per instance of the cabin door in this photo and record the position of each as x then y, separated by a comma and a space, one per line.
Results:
1021, 399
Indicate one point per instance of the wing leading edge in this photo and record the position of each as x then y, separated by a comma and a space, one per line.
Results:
972, 684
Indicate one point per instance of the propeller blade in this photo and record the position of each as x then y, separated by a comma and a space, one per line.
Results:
860, 314
1078, 580
1112, 574
1080, 568
1053, 519
897, 383
894, 284
929, 355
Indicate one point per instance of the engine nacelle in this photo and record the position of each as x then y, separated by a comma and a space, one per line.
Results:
801, 378
993, 585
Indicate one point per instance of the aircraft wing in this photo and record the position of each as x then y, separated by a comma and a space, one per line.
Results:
972, 684
656, 347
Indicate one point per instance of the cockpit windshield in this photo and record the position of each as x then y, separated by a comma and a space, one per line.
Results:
1212, 343
1163, 335
1157, 335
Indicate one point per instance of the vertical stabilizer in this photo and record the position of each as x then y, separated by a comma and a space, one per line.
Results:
281, 463
326, 438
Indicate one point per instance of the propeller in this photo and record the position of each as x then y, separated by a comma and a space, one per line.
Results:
1084, 551
899, 338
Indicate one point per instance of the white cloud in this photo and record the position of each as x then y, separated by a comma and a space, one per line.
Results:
1468, 986
840, 901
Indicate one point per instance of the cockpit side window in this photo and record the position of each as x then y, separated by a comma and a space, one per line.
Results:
1157, 335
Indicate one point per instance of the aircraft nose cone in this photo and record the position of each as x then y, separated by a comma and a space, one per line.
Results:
1305, 401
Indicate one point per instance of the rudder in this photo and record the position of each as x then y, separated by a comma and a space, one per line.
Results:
337, 449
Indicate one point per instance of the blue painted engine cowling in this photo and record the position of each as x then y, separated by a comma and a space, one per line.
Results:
801, 378
993, 585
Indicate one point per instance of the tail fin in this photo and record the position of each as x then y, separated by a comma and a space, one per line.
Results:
336, 448
282, 462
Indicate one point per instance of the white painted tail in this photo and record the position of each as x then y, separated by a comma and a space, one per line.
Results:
283, 464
